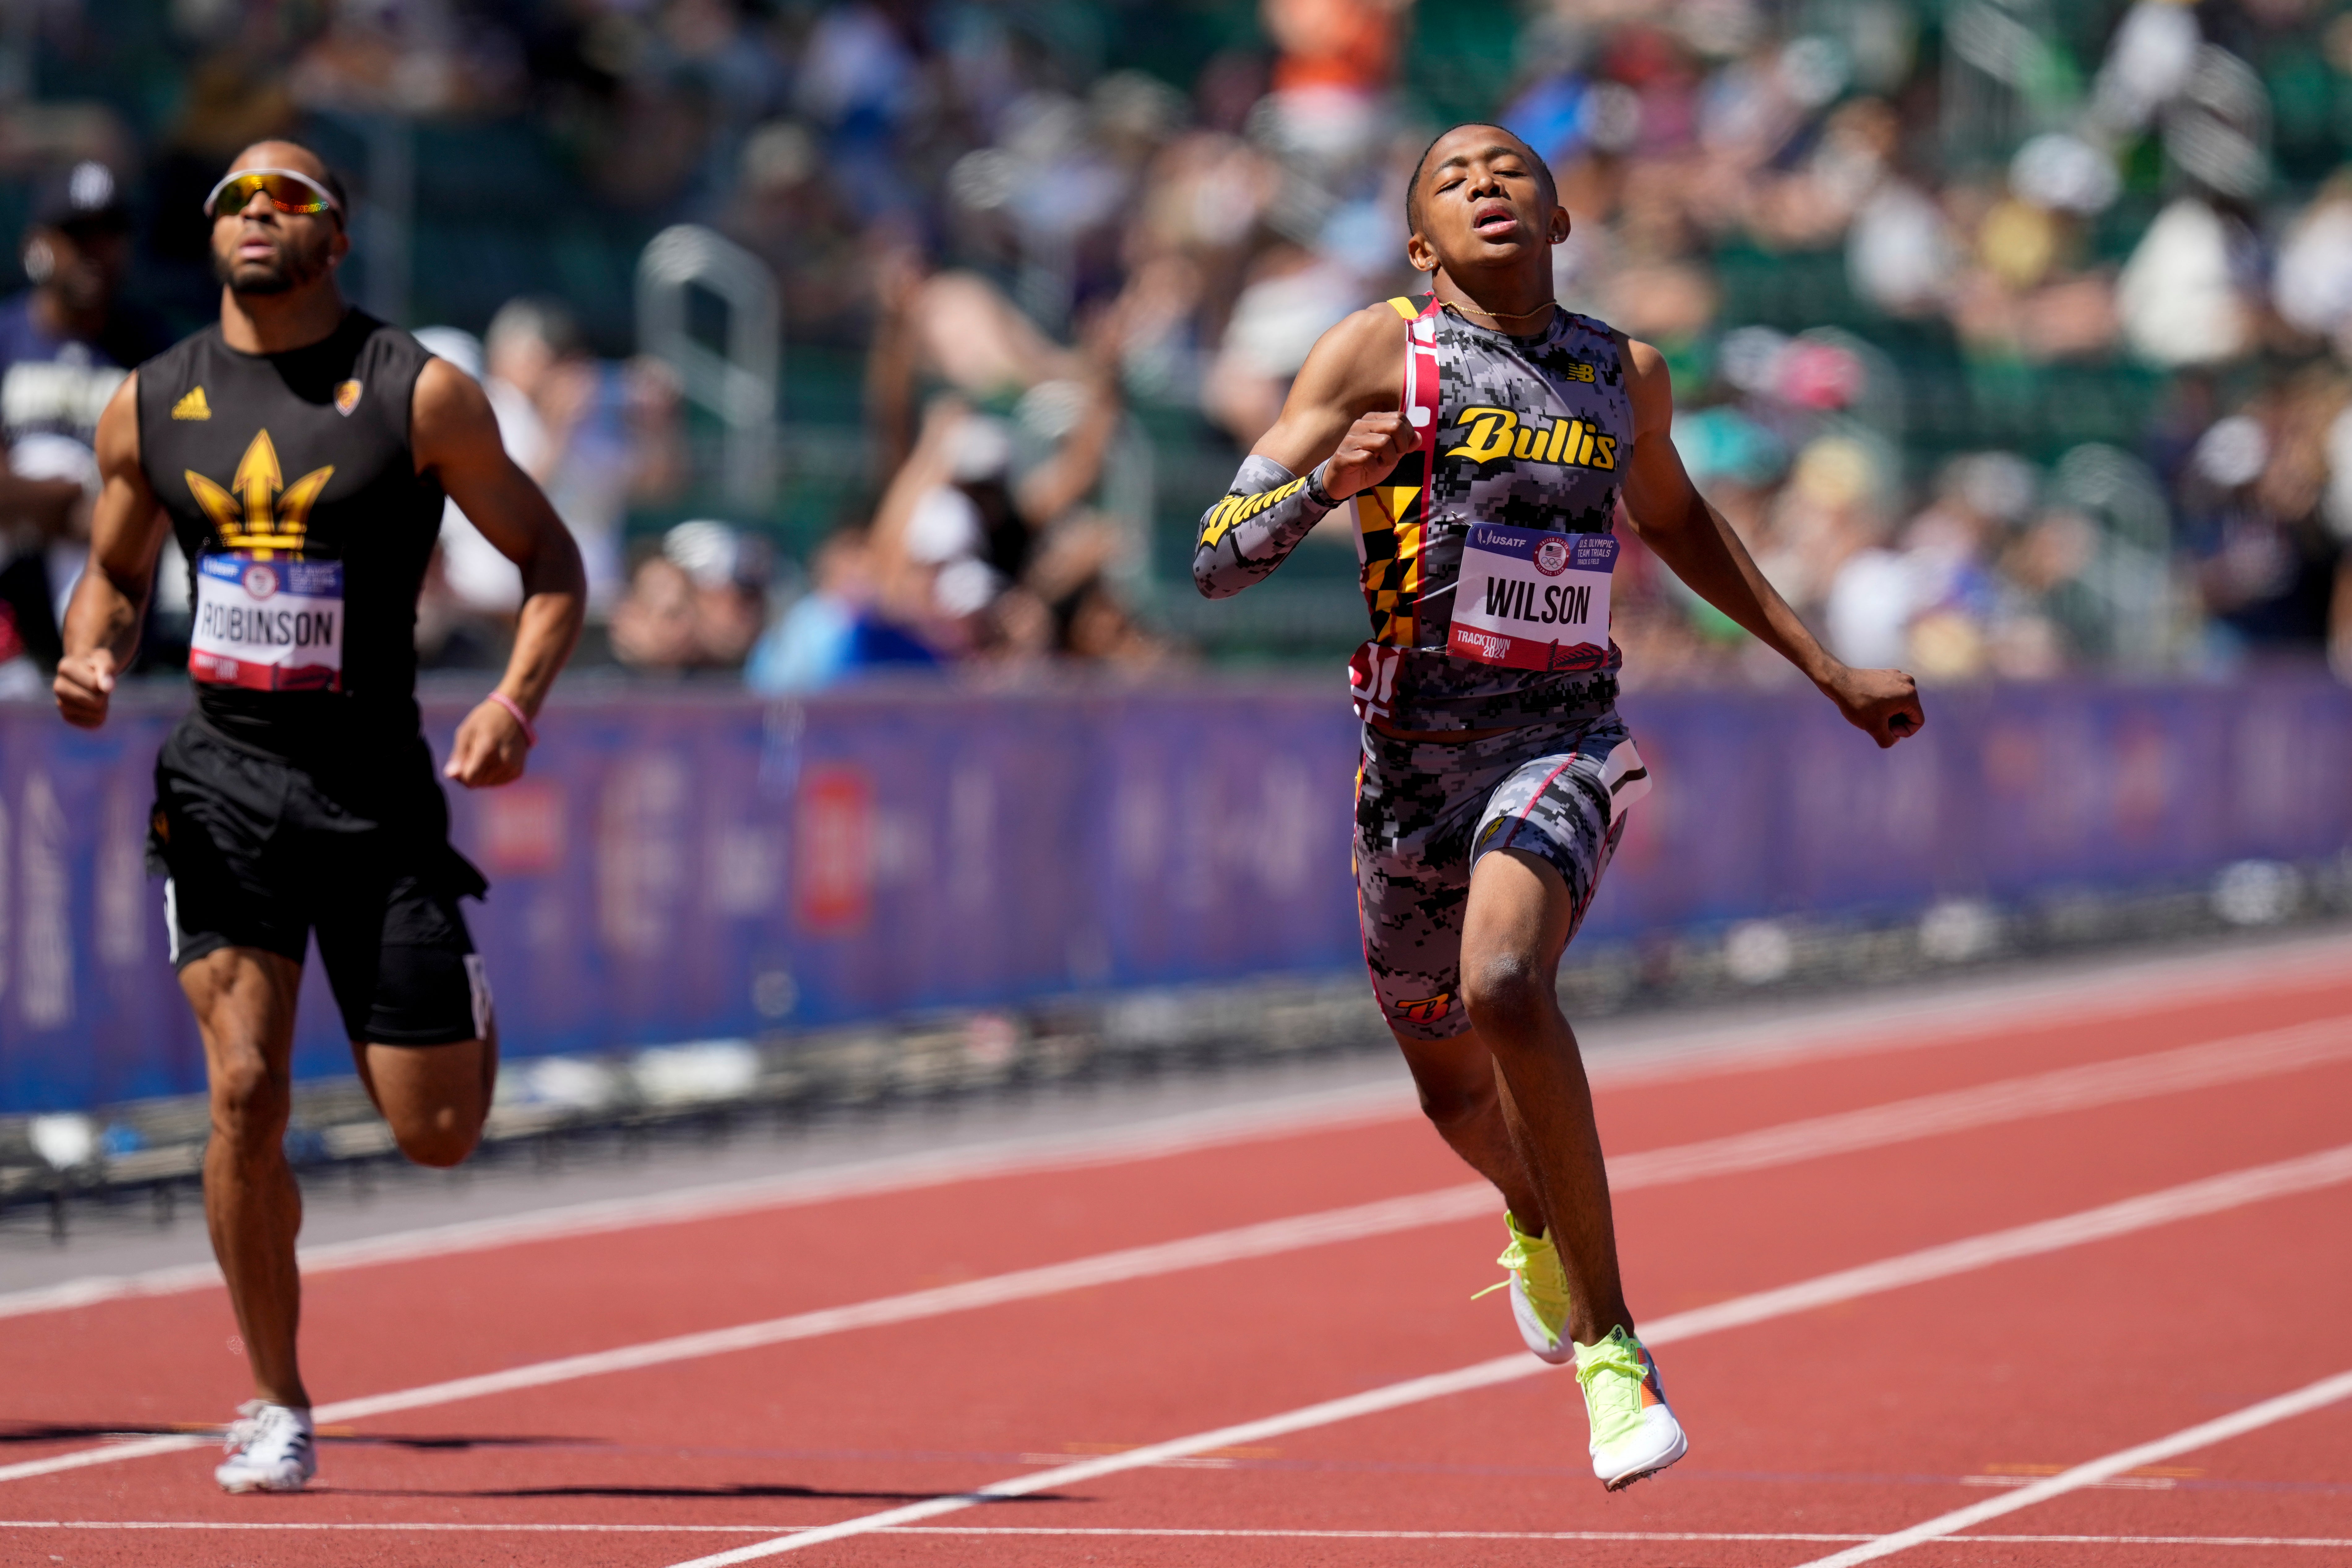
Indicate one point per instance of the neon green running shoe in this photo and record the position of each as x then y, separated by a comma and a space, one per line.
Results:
1635, 1433
1539, 1293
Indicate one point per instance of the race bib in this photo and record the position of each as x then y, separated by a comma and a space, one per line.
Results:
269, 625
1527, 599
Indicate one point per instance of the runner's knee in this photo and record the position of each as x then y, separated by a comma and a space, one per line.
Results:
249, 1103
1455, 1104
1509, 996
439, 1135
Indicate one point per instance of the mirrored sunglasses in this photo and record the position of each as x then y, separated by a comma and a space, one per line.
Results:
282, 188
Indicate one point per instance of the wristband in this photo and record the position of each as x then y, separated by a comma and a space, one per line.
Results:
1315, 490
529, 735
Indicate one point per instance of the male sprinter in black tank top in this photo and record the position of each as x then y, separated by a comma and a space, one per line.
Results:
1486, 438
300, 451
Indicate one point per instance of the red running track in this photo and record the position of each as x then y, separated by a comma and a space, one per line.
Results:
1815, 1431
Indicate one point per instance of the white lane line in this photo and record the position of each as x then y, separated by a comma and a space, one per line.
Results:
1327, 1110
2177, 1071
2204, 1435
1262, 1240
2067, 1089
1825, 1537
2212, 1195
1623, 1052
111, 1454
1936, 1016
2172, 1071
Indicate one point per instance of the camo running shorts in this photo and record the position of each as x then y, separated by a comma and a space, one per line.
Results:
1426, 810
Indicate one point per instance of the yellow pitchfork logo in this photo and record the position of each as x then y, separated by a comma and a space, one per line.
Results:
259, 511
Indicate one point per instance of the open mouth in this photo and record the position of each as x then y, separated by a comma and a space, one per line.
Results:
1493, 219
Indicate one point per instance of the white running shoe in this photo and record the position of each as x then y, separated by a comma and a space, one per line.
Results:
270, 1450
1635, 1433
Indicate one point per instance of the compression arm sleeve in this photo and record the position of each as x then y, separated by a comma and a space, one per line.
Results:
1247, 535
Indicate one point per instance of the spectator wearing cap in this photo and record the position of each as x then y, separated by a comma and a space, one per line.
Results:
65, 344
697, 605
596, 436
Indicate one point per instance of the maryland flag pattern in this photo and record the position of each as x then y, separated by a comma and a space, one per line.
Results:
1532, 433
1388, 516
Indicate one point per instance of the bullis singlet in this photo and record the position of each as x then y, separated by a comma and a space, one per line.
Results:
1521, 438
292, 486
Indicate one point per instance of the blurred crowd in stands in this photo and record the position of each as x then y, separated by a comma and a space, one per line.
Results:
1900, 255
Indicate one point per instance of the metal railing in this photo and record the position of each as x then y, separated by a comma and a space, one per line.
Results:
738, 385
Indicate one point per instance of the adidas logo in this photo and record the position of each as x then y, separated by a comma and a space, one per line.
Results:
193, 406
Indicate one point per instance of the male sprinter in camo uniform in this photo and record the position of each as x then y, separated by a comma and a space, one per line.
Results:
301, 451
1486, 437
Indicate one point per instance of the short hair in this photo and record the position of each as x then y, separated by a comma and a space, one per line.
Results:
1421, 167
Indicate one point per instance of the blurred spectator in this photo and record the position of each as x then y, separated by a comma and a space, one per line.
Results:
65, 344
596, 437
730, 571
802, 222
697, 605
833, 633
654, 626
1291, 297
426, 58
982, 504
2313, 288
471, 592
2092, 247
2185, 295
2267, 559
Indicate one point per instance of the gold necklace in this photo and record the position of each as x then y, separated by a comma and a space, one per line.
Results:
1501, 315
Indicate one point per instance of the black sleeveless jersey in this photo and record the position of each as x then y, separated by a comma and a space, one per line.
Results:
300, 462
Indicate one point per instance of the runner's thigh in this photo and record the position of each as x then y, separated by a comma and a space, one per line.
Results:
1566, 810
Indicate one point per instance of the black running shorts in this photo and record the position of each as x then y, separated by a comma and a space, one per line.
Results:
260, 852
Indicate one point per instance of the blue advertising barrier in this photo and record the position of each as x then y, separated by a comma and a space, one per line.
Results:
686, 866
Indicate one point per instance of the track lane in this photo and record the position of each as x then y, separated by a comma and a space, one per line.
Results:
1932, 1054
2316, 1395
1761, 1412
510, 1305
1477, 1245
2241, 1064
854, 1405
1518, 1367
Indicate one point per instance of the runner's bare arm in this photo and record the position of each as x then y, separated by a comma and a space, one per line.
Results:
1692, 538
126, 533
455, 438
1343, 408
